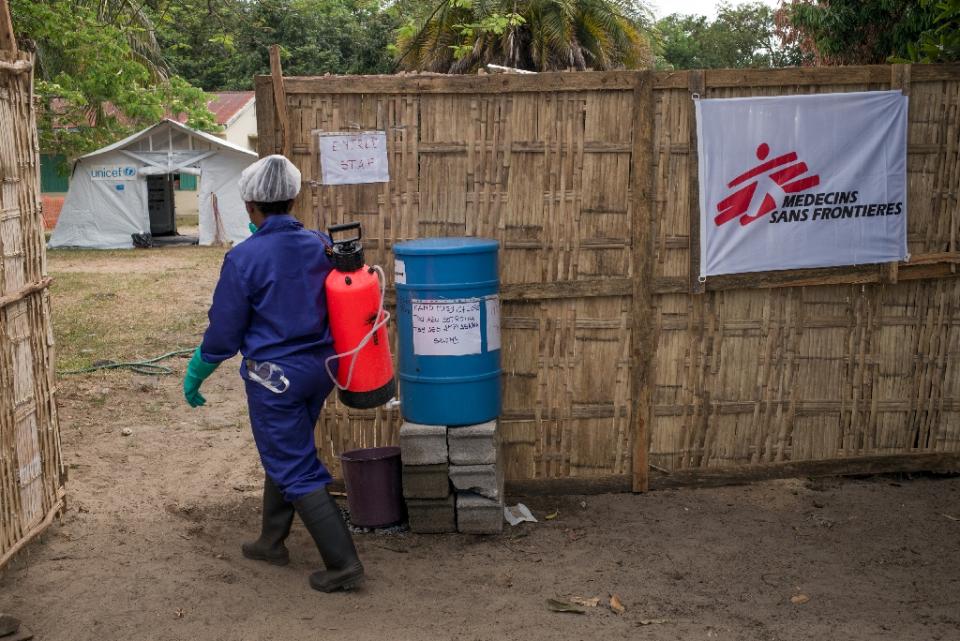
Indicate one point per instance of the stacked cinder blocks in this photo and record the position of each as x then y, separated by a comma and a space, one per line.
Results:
426, 482
477, 477
469, 457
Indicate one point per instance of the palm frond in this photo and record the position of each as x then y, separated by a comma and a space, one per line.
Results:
140, 31
554, 35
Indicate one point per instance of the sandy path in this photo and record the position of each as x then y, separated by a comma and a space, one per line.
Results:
149, 548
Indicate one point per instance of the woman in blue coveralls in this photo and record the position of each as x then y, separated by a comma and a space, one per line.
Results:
270, 305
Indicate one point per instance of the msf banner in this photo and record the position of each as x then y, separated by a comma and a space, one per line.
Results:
791, 182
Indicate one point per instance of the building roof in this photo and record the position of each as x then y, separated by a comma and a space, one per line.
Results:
59, 106
219, 142
226, 106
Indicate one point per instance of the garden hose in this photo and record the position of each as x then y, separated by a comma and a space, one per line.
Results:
148, 366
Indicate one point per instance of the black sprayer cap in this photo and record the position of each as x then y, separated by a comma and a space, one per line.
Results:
347, 253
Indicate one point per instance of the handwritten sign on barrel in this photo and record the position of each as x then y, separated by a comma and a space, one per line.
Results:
353, 158
446, 327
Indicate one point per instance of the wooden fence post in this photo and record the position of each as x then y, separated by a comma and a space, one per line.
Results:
8, 40
266, 116
642, 311
280, 100
899, 79
697, 85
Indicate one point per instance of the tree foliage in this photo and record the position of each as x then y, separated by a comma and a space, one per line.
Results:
460, 36
740, 36
873, 31
99, 73
224, 44
108, 67
940, 43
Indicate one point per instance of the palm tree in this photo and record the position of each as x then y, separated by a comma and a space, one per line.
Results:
131, 19
141, 33
459, 36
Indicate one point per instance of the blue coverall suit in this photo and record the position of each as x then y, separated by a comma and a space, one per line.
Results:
270, 305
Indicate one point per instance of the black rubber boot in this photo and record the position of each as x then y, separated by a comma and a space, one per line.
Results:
277, 518
323, 520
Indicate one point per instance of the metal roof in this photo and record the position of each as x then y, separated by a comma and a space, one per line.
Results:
226, 106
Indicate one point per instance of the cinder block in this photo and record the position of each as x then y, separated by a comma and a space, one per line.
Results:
423, 444
474, 444
432, 516
485, 480
478, 515
426, 481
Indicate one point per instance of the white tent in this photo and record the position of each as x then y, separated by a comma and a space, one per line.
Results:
126, 188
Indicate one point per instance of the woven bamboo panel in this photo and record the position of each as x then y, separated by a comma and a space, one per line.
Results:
746, 376
603, 325
544, 170
31, 473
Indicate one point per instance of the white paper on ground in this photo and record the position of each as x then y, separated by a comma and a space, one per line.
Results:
518, 514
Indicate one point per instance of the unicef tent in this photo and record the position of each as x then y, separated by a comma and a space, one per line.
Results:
126, 189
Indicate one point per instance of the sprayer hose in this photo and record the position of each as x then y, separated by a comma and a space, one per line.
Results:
148, 366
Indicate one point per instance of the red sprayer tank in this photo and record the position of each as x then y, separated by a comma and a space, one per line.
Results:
358, 323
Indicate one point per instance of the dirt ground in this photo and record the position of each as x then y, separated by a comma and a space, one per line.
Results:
149, 546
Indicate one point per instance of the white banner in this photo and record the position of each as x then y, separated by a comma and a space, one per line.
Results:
791, 182
353, 158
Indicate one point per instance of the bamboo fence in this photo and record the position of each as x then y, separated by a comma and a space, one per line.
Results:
616, 360
31, 471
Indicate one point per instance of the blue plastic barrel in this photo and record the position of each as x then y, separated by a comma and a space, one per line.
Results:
448, 319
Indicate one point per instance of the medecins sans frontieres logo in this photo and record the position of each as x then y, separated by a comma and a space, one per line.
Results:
781, 174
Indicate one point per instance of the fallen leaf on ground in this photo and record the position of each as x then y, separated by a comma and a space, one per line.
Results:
179, 613
550, 517
652, 621
952, 518
616, 605
559, 605
584, 601
799, 599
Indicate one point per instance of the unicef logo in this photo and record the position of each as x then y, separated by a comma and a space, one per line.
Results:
114, 173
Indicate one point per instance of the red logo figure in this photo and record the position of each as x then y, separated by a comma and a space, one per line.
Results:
737, 203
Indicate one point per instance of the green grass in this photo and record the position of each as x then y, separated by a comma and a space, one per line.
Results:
129, 305
188, 220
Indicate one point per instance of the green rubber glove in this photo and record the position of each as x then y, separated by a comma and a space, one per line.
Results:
252, 228
197, 371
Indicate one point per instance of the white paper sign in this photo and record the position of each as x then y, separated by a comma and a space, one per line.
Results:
353, 158
399, 272
790, 182
446, 327
493, 323
113, 173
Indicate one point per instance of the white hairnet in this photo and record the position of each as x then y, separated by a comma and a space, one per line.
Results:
269, 180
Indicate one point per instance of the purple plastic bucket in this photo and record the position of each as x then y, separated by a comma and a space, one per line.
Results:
374, 486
